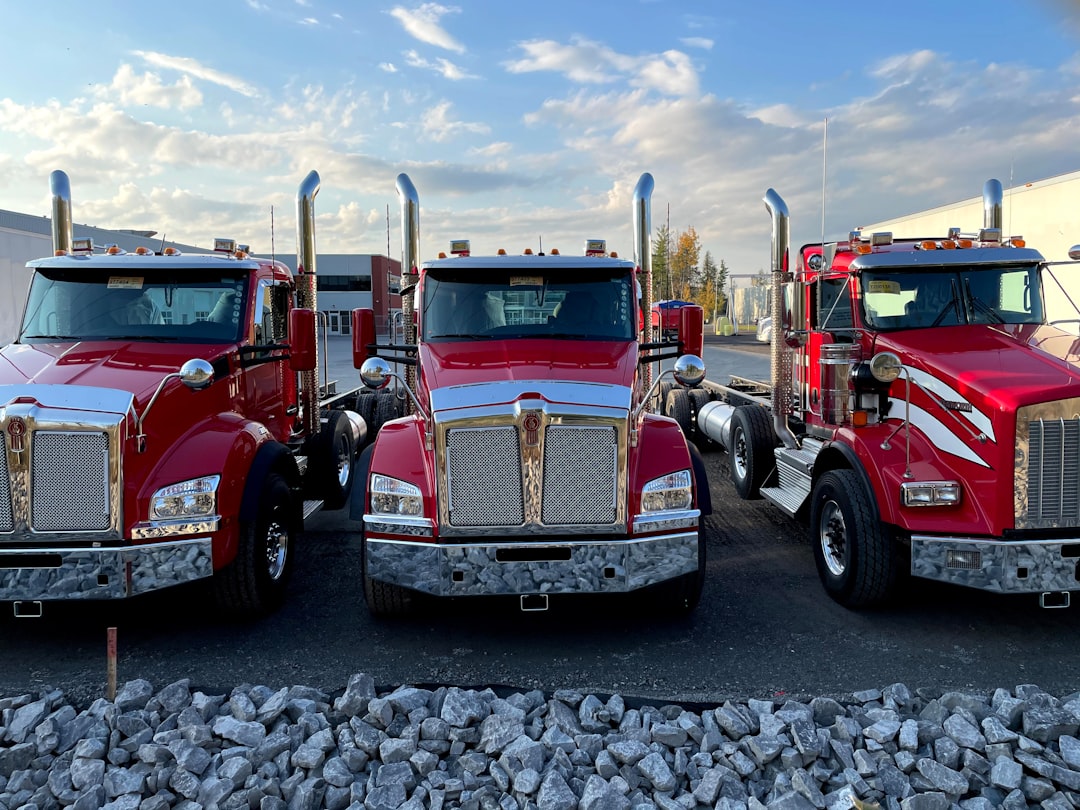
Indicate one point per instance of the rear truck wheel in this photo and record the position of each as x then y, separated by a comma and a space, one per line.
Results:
685, 592
854, 552
677, 406
331, 466
384, 600
254, 582
386, 408
365, 406
751, 450
663, 390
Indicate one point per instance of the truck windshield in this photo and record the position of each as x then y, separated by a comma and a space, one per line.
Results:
474, 304
949, 297
190, 306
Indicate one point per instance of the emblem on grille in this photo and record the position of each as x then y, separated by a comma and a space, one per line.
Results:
531, 424
16, 429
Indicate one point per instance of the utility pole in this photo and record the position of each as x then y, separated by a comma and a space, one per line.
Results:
715, 292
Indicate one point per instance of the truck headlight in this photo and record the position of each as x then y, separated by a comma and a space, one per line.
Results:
930, 493
194, 498
389, 496
668, 493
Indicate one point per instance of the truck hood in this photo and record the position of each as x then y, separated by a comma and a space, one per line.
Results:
134, 367
499, 371
994, 367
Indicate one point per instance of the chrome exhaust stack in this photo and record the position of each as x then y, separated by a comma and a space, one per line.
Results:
781, 239
305, 292
992, 205
410, 267
62, 238
643, 258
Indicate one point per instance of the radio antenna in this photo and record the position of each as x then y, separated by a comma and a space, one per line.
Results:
273, 254
824, 163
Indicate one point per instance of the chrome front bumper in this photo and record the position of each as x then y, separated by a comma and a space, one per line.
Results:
42, 574
1002, 566
591, 565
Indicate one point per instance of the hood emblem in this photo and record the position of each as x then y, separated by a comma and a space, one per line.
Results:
16, 430
531, 424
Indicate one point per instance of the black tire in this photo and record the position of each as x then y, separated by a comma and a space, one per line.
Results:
386, 408
685, 592
365, 406
699, 397
254, 583
677, 406
333, 454
384, 600
750, 450
855, 554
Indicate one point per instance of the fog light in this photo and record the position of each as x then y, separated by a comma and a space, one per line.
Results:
965, 559
930, 493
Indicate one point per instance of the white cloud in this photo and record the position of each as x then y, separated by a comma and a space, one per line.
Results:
387, 67
438, 126
127, 88
492, 149
698, 42
422, 23
587, 62
193, 68
444, 67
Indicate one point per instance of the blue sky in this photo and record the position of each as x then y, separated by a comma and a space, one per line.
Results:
522, 121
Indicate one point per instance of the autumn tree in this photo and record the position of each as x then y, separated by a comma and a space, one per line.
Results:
684, 264
713, 281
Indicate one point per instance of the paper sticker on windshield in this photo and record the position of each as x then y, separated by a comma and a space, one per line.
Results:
526, 281
882, 286
125, 282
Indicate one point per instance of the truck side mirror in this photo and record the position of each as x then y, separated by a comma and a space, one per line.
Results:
302, 340
691, 329
363, 332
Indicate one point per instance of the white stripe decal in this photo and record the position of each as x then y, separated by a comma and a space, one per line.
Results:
935, 430
980, 421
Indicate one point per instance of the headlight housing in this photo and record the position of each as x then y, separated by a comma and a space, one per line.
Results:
668, 493
931, 493
389, 496
187, 499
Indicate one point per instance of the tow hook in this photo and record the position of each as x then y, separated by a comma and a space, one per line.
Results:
27, 610
534, 602
1054, 599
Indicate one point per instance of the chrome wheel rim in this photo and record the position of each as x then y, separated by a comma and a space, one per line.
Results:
277, 549
738, 454
832, 534
344, 463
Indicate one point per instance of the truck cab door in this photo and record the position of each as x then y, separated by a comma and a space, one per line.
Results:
829, 343
269, 383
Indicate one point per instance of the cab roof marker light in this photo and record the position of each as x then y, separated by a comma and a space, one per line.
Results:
500, 252
170, 251
964, 243
927, 244
114, 250
1018, 241
554, 251
948, 244
527, 252
862, 249
143, 250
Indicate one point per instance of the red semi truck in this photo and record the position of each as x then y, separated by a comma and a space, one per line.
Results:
163, 422
530, 463
923, 415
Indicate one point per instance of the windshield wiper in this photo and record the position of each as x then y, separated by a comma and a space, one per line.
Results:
981, 305
148, 338
468, 335
52, 337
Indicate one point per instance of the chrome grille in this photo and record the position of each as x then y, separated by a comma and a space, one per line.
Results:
579, 475
6, 524
1048, 465
484, 477
70, 481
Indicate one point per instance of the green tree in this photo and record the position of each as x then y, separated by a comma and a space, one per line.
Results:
712, 298
662, 287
